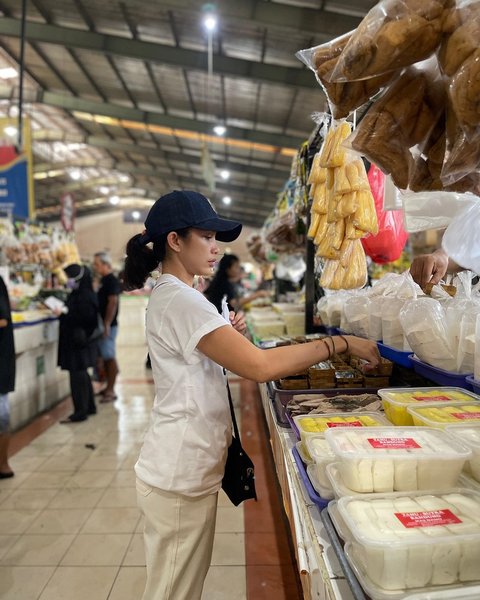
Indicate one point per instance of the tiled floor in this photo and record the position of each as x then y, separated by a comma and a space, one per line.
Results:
69, 525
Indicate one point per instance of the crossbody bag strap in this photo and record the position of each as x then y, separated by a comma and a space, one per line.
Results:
232, 412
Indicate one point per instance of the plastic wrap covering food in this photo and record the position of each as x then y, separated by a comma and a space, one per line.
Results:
462, 154
356, 312
346, 274
459, 58
423, 321
393, 35
402, 118
433, 210
342, 211
343, 97
283, 232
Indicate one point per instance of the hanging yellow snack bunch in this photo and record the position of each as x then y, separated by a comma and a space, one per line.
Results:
343, 211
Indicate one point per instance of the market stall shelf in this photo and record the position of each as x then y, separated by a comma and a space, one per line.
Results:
440, 376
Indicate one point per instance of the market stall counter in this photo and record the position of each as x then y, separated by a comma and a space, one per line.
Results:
39, 383
320, 572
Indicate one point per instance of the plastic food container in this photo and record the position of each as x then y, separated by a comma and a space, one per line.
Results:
322, 456
397, 356
443, 414
336, 481
475, 383
470, 437
315, 424
391, 459
324, 492
396, 400
303, 453
414, 539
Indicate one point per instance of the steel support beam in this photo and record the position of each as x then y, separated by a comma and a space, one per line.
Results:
113, 45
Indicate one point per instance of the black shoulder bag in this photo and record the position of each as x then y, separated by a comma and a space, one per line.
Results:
239, 478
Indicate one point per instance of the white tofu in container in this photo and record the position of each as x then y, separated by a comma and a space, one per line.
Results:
470, 437
387, 459
413, 540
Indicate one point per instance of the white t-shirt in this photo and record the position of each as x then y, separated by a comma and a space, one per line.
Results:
185, 448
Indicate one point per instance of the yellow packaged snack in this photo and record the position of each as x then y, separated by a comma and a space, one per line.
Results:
321, 230
312, 230
365, 217
320, 202
442, 414
347, 205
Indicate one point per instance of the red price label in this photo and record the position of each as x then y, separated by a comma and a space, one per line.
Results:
349, 424
429, 518
432, 398
466, 415
393, 443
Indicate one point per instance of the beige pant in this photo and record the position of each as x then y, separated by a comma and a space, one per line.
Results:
178, 537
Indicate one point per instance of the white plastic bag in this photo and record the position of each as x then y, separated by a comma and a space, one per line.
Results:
433, 210
461, 240
423, 321
392, 198
467, 342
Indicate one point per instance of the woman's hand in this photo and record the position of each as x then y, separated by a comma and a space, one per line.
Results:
238, 322
366, 349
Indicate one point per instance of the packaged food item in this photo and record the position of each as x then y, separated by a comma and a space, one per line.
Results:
324, 491
400, 119
336, 482
470, 437
442, 414
390, 459
414, 539
344, 97
393, 35
320, 423
356, 311
348, 378
396, 400
321, 374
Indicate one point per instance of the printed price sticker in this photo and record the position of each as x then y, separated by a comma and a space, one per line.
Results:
432, 398
350, 424
429, 518
393, 443
466, 415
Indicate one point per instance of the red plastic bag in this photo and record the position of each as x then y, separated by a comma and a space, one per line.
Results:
391, 238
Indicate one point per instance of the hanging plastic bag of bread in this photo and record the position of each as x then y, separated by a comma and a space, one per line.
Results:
459, 58
388, 244
401, 119
343, 97
394, 34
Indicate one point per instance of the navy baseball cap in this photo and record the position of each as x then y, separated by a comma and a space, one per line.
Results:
184, 208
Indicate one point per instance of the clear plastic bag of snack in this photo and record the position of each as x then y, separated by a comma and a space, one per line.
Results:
462, 155
459, 58
423, 321
394, 34
356, 310
343, 97
403, 117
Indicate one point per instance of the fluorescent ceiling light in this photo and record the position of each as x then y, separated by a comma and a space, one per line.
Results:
8, 73
224, 174
115, 200
103, 189
124, 178
75, 174
136, 215
219, 130
227, 200
210, 22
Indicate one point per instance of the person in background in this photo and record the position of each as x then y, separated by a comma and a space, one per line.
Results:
182, 460
75, 352
431, 268
7, 377
226, 281
108, 295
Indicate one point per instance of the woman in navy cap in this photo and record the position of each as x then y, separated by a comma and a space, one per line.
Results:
181, 464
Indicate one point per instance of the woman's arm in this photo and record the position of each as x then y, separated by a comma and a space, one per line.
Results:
231, 350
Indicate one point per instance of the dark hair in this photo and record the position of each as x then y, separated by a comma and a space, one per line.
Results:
220, 281
142, 260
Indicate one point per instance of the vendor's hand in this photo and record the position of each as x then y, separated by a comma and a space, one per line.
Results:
429, 268
238, 322
106, 330
366, 349
57, 311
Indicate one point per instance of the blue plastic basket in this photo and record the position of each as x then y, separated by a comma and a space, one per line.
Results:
439, 376
475, 383
396, 356
314, 497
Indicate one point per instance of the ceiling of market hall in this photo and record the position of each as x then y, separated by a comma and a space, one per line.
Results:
121, 103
